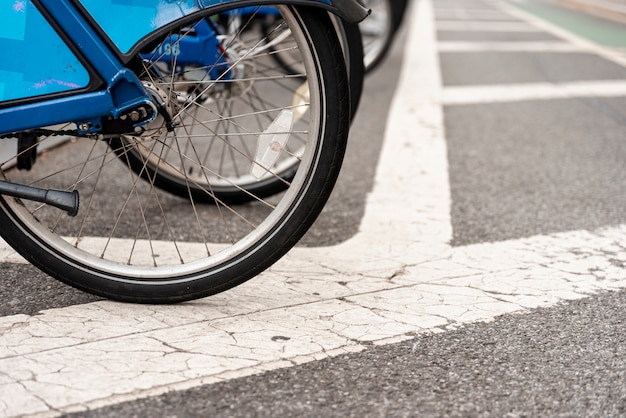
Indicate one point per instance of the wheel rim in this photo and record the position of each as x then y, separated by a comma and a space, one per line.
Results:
376, 31
147, 236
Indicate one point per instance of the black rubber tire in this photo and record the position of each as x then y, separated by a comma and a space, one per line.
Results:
396, 10
22, 230
353, 51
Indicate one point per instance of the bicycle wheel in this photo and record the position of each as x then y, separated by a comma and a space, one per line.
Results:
399, 8
226, 172
132, 241
379, 28
351, 44
352, 47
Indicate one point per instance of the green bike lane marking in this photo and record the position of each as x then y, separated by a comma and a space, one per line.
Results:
601, 31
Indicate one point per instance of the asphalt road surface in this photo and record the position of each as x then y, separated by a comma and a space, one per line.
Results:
469, 263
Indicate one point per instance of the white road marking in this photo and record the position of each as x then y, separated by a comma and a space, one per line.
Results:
463, 95
478, 14
542, 46
397, 277
489, 26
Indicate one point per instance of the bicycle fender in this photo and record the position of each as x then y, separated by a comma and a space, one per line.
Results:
350, 10
353, 11
150, 22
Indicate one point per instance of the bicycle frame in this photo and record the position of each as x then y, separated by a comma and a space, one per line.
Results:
113, 90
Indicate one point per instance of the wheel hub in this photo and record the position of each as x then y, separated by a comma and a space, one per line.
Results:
157, 127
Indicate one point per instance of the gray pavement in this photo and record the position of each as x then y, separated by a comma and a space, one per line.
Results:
525, 176
566, 361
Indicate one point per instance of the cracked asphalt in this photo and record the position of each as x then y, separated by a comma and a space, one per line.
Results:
470, 261
563, 361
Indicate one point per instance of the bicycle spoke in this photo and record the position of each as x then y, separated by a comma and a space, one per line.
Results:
212, 188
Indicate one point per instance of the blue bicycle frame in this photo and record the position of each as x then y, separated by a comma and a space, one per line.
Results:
80, 73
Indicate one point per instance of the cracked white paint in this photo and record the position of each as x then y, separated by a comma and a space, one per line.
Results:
396, 278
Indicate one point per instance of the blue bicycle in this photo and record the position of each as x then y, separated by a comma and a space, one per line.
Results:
152, 112
281, 47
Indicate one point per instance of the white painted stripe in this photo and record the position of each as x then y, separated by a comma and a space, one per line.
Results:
8, 254
437, 8
487, 15
548, 46
398, 276
445, 25
532, 91
101, 353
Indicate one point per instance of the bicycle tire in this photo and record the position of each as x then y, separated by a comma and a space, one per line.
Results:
379, 30
245, 188
352, 46
165, 249
398, 8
